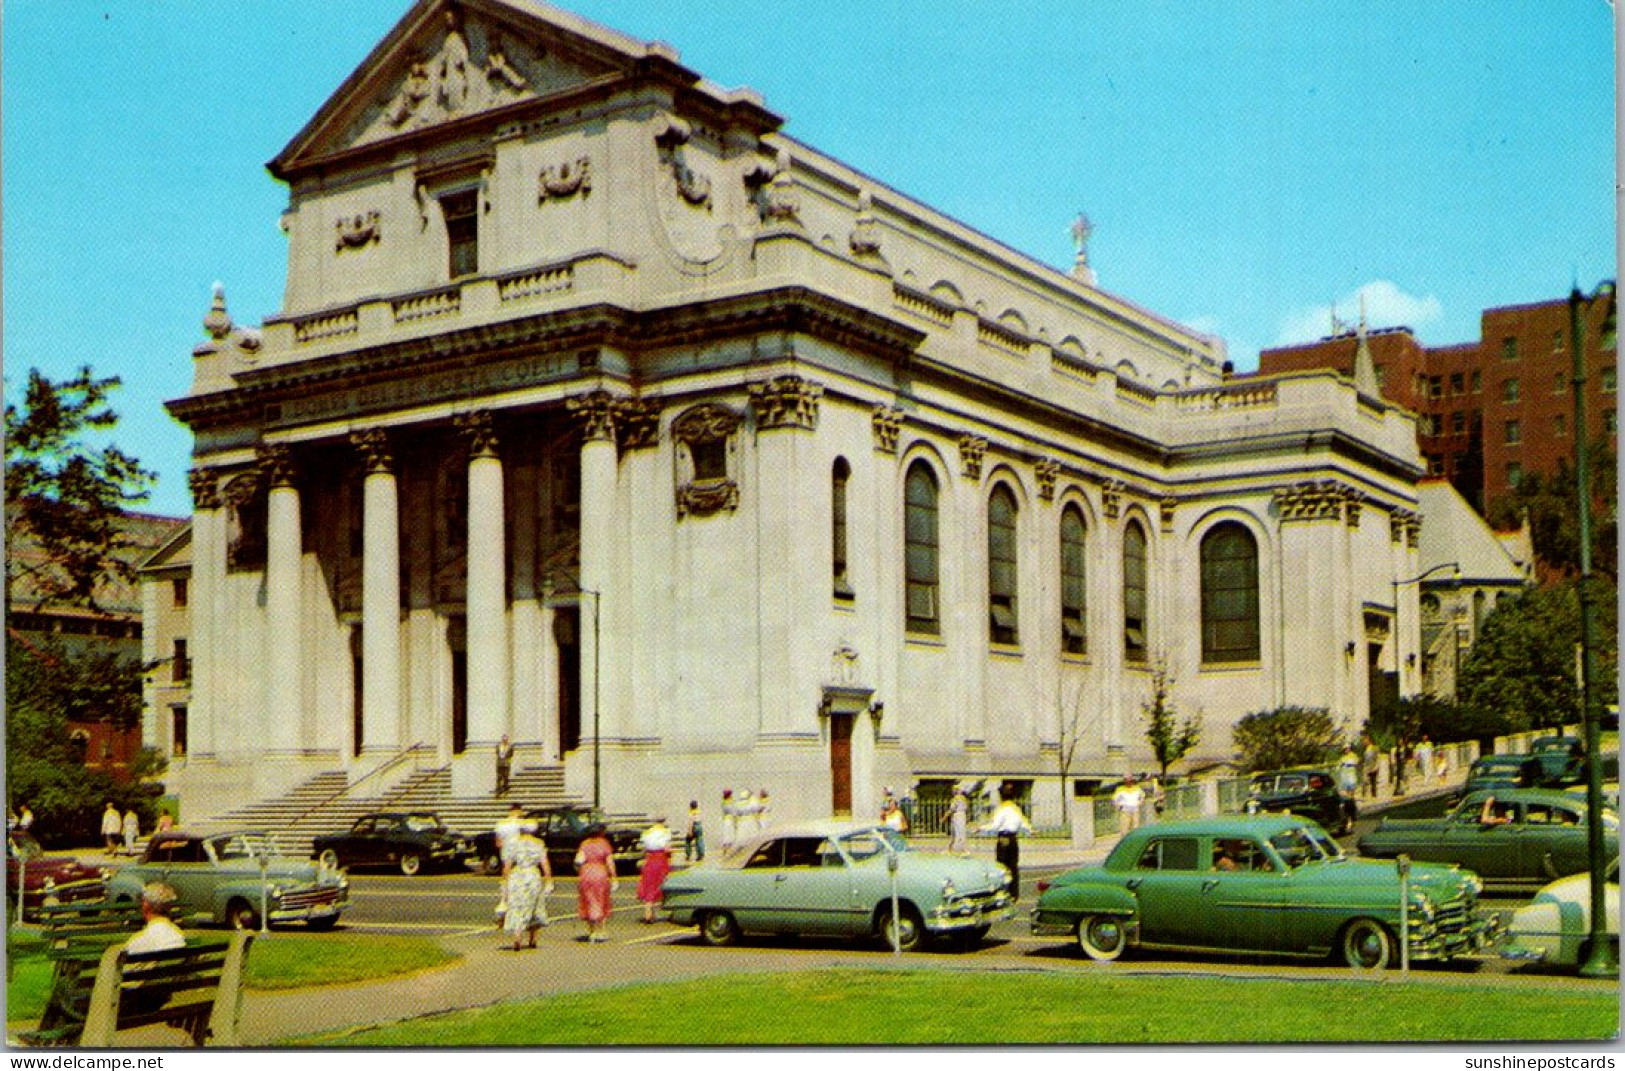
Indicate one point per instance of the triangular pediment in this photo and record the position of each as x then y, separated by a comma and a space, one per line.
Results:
448, 60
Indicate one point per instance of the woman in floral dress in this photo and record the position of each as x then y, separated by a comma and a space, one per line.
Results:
595, 881
526, 880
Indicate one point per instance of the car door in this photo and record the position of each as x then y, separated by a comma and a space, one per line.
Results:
1242, 894
814, 890
753, 892
1488, 849
354, 847
188, 869
1168, 880
1552, 842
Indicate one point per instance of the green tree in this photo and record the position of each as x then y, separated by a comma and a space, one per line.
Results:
1170, 736
1550, 503
1522, 666
66, 491
1287, 736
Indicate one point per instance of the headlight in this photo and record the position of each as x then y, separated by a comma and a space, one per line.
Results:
276, 892
48, 884
948, 890
1423, 906
105, 873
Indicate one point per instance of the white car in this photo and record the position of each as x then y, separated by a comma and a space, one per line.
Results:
1555, 926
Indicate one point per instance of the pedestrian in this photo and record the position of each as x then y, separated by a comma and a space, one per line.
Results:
1348, 772
1424, 759
893, 818
1371, 759
1397, 759
166, 822
1441, 764
1008, 823
1127, 799
906, 803
888, 800
761, 810
504, 764
527, 878
112, 827
510, 826
25, 819
958, 817
595, 881
131, 827
730, 821
656, 845
744, 815
694, 835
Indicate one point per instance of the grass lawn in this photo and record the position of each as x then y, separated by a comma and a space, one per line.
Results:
279, 961
919, 1007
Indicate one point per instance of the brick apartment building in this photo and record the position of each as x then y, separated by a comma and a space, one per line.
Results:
1494, 409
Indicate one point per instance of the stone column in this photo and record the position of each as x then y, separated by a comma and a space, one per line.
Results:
487, 607
596, 411
284, 662
380, 595
1311, 518
207, 594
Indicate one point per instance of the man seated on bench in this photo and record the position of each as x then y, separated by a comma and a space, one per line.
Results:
160, 934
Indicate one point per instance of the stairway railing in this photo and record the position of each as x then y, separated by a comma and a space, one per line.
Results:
411, 751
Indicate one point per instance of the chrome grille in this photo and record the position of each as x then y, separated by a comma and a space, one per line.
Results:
301, 898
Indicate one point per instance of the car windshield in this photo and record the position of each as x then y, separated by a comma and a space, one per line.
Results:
872, 842
1296, 847
244, 846
1328, 848
423, 823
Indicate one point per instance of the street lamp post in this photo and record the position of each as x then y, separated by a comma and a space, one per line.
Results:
1601, 961
1399, 658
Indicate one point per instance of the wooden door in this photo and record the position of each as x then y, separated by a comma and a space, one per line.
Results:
840, 763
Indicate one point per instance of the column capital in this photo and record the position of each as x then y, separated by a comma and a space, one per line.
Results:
1046, 469
479, 432
1311, 500
638, 422
596, 411
972, 450
205, 486
888, 422
373, 445
786, 402
276, 464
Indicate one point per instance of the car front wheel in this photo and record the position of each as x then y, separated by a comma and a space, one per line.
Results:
718, 928
329, 858
240, 915
1101, 937
907, 934
411, 864
1367, 945
493, 863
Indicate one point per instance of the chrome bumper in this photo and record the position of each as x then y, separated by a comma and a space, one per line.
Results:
947, 918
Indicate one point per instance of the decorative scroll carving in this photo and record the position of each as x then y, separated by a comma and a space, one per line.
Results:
1046, 469
705, 423
275, 464
706, 481
864, 240
1111, 498
1168, 505
205, 489
638, 422
245, 521
972, 449
567, 179
705, 498
353, 232
888, 422
596, 411
693, 187
773, 189
1310, 500
450, 83
373, 445
479, 432
786, 402
421, 193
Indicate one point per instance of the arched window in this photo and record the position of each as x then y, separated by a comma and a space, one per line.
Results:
838, 569
920, 543
1229, 594
1135, 624
1001, 566
1074, 600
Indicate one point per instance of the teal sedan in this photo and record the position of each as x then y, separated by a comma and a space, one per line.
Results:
837, 879
1260, 884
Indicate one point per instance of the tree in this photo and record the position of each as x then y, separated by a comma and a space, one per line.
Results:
66, 492
1171, 737
1522, 666
1287, 736
1070, 729
1554, 519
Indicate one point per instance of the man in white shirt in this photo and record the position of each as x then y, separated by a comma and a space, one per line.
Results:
1127, 799
160, 933
1007, 822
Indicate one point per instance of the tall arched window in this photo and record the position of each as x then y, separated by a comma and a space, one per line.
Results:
920, 543
1074, 599
1001, 566
838, 569
1135, 623
1229, 594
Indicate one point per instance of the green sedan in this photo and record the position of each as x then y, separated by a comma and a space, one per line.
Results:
1260, 884
838, 879
1524, 836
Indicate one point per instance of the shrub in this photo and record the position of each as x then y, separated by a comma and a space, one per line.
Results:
1287, 736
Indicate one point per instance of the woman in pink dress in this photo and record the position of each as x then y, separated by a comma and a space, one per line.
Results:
595, 881
656, 845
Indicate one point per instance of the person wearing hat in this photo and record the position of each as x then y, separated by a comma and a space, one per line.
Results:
656, 845
527, 878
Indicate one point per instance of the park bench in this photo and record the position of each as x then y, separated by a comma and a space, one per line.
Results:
197, 989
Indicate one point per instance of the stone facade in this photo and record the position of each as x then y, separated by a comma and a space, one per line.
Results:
596, 413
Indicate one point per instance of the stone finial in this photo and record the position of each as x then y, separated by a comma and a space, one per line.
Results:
864, 240
1082, 229
218, 321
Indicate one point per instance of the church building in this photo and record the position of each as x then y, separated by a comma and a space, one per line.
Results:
603, 414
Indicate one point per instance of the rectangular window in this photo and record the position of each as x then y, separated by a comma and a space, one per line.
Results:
1514, 432
178, 592
1610, 421
1509, 349
1435, 386
177, 731
182, 665
1509, 390
462, 232
1514, 474
1559, 382
1382, 375
1608, 380
1435, 466
1458, 423
1557, 342
1560, 426
841, 582
1458, 384
1477, 381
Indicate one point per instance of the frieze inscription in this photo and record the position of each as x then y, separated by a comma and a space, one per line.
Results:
443, 386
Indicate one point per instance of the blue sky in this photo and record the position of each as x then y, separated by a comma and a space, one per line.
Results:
1245, 163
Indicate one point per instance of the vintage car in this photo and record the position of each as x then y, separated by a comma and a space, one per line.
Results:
1306, 791
412, 841
1555, 927
229, 877
1561, 758
1529, 837
562, 829
835, 878
48, 879
1259, 884
1502, 772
